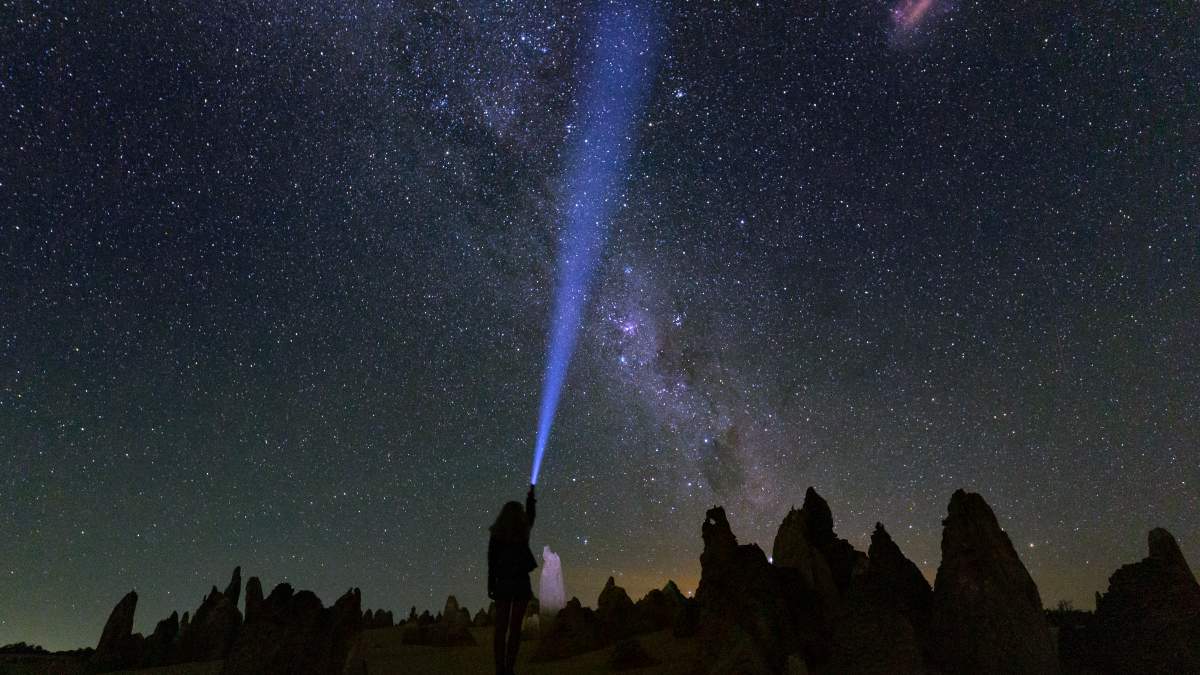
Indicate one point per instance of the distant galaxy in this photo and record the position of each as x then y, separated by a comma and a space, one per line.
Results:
910, 17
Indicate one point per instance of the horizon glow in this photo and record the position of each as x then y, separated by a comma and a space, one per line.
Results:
600, 138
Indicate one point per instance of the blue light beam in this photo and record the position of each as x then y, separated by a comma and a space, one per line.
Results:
618, 75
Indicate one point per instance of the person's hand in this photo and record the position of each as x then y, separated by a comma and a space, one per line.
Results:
530, 493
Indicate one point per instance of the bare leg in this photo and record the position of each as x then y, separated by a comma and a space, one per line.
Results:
498, 636
514, 632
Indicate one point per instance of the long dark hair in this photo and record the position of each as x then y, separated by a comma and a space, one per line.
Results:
512, 525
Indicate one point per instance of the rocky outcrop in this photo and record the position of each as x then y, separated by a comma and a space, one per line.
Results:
894, 580
1149, 619
345, 625
659, 609
814, 521
25, 649
1071, 627
294, 633
233, 590
450, 628
377, 619
575, 630
161, 643
119, 646
285, 633
986, 615
254, 597
532, 627
753, 615
883, 616
794, 548
450, 611
212, 630
616, 613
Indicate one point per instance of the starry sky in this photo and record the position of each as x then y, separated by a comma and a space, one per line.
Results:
276, 278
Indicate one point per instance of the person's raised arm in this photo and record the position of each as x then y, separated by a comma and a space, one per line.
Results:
530, 506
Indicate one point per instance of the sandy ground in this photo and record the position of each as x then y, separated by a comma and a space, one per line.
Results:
385, 655
55, 665
24, 664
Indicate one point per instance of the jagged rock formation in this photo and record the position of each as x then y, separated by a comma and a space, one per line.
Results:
294, 633
24, 648
892, 579
531, 623
1149, 620
575, 630
818, 606
659, 609
451, 627
234, 590
212, 630
281, 632
616, 613
753, 614
987, 614
450, 611
884, 613
1071, 628
793, 548
119, 646
531, 627
457, 618
254, 597
377, 619
816, 524
161, 643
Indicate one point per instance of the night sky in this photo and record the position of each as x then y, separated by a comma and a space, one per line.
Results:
276, 279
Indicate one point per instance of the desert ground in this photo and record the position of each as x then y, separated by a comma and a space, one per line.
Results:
385, 655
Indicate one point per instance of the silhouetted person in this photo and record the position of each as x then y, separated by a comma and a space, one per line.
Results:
509, 563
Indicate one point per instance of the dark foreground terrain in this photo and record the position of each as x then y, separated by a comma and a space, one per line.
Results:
816, 605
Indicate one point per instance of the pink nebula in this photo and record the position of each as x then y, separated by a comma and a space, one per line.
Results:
909, 13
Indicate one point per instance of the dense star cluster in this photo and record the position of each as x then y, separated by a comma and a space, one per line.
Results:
275, 281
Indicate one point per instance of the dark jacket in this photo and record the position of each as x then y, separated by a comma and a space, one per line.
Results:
509, 563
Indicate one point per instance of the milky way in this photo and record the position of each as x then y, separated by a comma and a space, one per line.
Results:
277, 281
